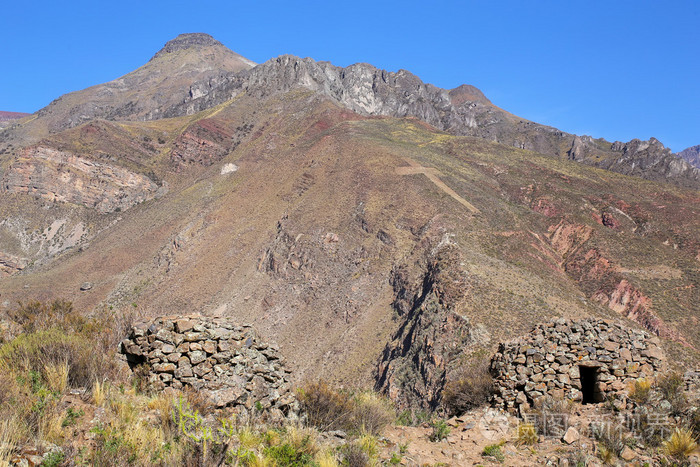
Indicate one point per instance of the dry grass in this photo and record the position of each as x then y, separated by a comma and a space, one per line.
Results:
56, 375
681, 444
99, 390
640, 391
10, 435
527, 434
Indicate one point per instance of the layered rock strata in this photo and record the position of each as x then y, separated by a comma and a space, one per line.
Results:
60, 176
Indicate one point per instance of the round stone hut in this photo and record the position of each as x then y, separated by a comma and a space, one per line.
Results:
227, 362
585, 360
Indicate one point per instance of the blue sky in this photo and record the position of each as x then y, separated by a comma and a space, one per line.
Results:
617, 69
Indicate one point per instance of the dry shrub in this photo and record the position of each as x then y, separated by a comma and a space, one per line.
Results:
470, 388
198, 400
527, 434
38, 316
550, 415
371, 412
640, 391
355, 456
328, 409
325, 408
671, 386
611, 438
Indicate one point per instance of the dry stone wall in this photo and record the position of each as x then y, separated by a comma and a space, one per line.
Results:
584, 360
224, 360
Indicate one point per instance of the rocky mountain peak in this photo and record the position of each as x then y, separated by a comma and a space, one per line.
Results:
187, 41
467, 92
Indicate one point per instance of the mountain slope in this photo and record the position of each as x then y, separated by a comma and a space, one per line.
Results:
375, 249
326, 240
461, 111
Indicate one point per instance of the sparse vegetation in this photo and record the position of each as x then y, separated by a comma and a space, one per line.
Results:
440, 430
640, 391
494, 451
328, 409
527, 434
471, 387
671, 386
681, 444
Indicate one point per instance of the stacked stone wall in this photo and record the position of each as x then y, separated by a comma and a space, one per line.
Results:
214, 355
548, 361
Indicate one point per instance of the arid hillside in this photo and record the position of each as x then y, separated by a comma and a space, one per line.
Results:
377, 250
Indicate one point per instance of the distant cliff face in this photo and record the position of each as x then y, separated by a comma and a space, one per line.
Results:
691, 155
61, 176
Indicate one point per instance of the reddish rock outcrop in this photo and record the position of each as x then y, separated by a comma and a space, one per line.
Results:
204, 143
601, 278
64, 177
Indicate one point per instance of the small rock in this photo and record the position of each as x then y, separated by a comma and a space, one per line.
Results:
571, 436
86, 286
628, 454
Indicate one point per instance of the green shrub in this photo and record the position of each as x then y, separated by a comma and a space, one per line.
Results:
440, 430
53, 459
411, 417
285, 454
494, 450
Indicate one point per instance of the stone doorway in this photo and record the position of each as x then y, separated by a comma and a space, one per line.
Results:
589, 384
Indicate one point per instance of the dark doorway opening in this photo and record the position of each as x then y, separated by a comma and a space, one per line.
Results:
589, 378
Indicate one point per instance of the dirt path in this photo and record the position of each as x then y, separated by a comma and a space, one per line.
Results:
433, 175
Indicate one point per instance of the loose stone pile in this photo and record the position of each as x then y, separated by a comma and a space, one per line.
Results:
551, 359
224, 360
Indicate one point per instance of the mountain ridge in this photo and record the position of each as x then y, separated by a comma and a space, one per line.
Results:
360, 87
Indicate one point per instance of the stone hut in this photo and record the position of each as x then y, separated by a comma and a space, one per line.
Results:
586, 361
224, 360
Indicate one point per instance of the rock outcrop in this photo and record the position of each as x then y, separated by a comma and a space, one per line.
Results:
584, 360
414, 366
691, 155
226, 361
11, 264
65, 177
